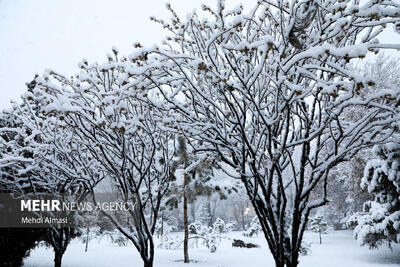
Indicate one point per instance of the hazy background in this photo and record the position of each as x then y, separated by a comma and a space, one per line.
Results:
56, 34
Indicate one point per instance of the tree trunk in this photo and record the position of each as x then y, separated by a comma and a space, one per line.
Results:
57, 259
292, 264
185, 222
59, 241
320, 239
147, 252
162, 226
148, 264
278, 263
87, 239
210, 212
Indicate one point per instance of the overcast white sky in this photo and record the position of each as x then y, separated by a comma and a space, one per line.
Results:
56, 34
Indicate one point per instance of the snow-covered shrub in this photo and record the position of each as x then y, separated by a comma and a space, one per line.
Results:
212, 241
164, 227
115, 237
231, 226
305, 248
196, 228
213, 248
89, 234
121, 241
210, 237
219, 226
254, 229
171, 242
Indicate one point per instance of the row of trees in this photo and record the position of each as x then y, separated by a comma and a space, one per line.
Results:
269, 94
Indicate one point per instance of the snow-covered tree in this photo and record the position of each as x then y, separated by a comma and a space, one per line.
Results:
241, 204
32, 167
381, 221
101, 120
164, 226
384, 70
268, 92
346, 180
204, 215
15, 243
318, 225
192, 176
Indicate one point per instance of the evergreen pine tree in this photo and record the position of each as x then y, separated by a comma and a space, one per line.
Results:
382, 178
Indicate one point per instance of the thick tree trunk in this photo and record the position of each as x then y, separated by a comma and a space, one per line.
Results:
59, 241
279, 263
292, 264
285, 254
147, 253
57, 259
294, 260
148, 264
185, 222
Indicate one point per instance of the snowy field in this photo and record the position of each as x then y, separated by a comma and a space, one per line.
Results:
339, 249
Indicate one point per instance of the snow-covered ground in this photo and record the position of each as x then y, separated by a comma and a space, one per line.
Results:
338, 249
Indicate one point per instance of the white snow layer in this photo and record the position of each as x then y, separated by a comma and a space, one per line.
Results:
337, 249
